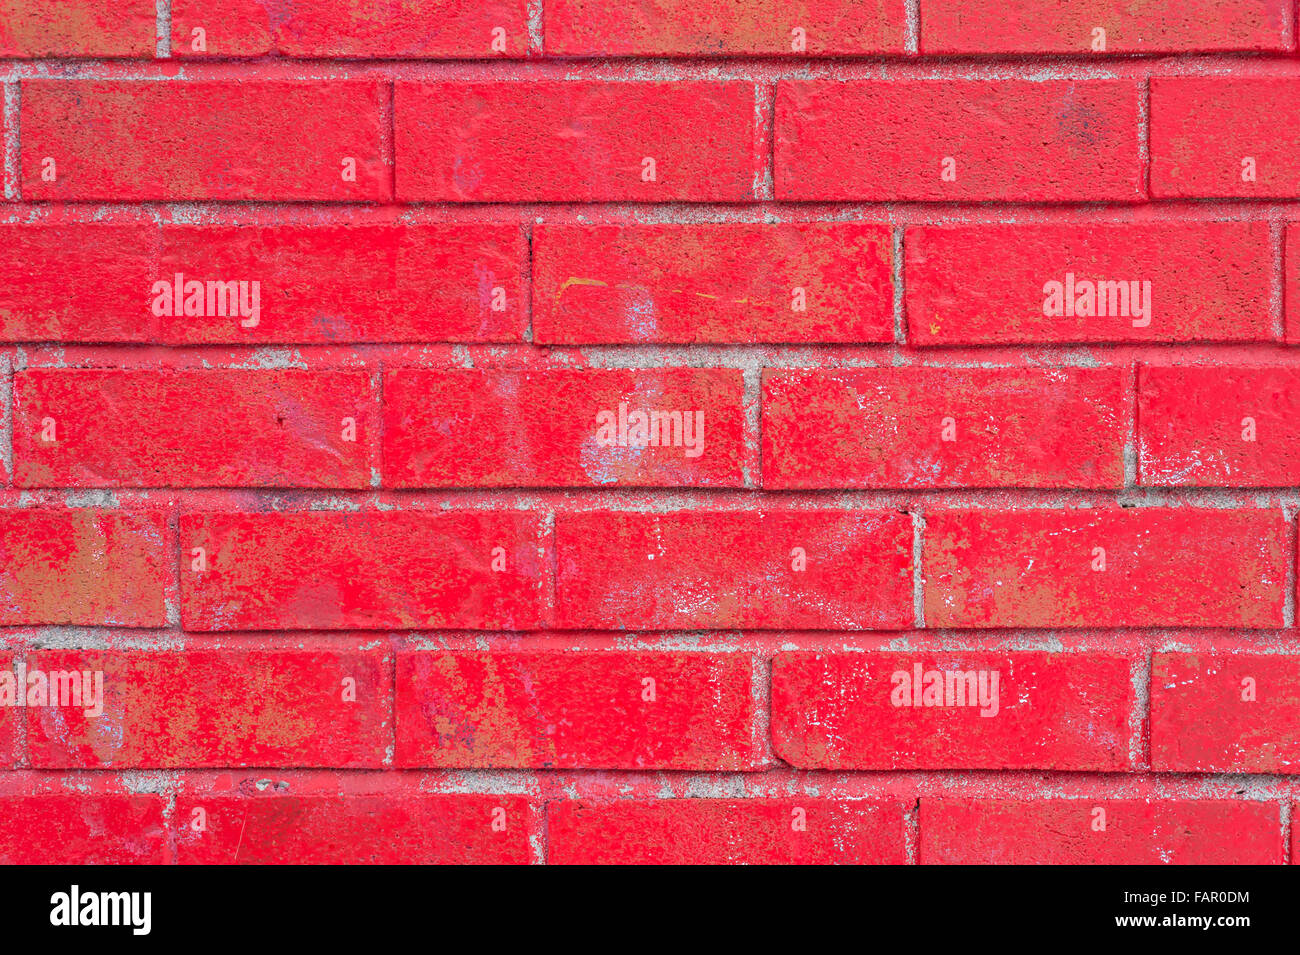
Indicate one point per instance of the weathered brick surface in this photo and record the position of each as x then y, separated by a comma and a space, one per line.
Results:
712, 284
443, 29
726, 832
1224, 712
813, 570
400, 829
952, 711
931, 427
1153, 567
1066, 831
989, 284
654, 432
1010, 140
561, 428
542, 710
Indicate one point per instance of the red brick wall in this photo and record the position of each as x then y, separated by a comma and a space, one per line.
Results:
955, 549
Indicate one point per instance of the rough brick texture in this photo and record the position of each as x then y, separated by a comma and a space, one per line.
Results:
726, 831
812, 570
318, 284
1069, 831
1089, 26
575, 141
576, 710
1158, 567
1225, 713
562, 428
988, 284
77, 28
929, 427
703, 28
442, 29
952, 711
649, 432
960, 140
712, 284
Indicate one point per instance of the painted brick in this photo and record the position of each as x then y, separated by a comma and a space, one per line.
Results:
82, 282
212, 139
702, 28
1069, 26
1225, 712
889, 427
517, 142
95, 282
753, 831
1012, 140
398, 829
1291, 287
567, 710
719, 569
77, 28
83, 567
428, 29
1164, 567
1203, 128
1067, 711
12, 693
82, 829
562, 428
987, 285
370, 570
713, 283
1060, 832
217, 708
194, 429
390, 282
1194, 427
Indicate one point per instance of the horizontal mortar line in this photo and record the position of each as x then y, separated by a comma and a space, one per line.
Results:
634, 68
1147, 212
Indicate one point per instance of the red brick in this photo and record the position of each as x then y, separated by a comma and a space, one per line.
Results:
397, 829
12, 695
753, 831
1206, 717
1067, 26
576, 710
470, 428
1194, 426
1203, 127
720, 569
1060, 832
194, 428
82, 282
390, 282
703, 28
885, 427
327, 570
1291, 291
1165, 567
83, 567
94, 282
217, 708
574, 141
82, 829
1067, 711
985, 285
441, 29
1012, 140
253, 139
77, 28
713, 283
